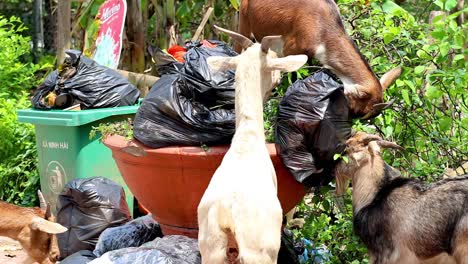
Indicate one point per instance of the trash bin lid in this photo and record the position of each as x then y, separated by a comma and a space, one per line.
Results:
72, 118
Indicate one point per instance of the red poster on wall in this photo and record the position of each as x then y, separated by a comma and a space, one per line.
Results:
111, 16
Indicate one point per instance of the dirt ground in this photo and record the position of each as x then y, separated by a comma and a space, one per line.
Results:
11, 251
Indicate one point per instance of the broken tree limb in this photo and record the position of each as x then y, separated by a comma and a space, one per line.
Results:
196, 36
142, 81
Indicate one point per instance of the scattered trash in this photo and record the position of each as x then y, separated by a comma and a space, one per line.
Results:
80, 80
132, 234
80, 257
313, 123
165, 250
311, 255
190, 104
87, 207
288, 253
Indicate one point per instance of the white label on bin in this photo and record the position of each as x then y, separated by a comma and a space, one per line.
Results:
54, 144
56, 176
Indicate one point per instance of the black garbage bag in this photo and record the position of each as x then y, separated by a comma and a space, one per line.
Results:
190, 104
313, 123
166, 250
288, 253
80, 257
82, 80
132, 234
87, 207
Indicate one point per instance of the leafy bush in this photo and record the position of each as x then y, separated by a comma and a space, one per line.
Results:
19, 178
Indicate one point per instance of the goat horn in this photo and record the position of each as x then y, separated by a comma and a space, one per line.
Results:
368, 138
48, 212
241, 39
267, 42
388, 144
42, 201
378, 108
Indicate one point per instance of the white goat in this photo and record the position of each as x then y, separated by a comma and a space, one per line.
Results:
33, 228
239, 212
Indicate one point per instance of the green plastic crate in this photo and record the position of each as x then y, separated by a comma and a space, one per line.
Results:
66, 152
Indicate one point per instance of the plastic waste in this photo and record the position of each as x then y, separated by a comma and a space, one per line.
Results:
88, 206
191, 104
166, 250
314, 121
80, 80
132, 234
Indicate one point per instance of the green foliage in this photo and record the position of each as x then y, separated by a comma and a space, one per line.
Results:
429, 116
19, 179
186, 16
123, 128
329, 222
16, 70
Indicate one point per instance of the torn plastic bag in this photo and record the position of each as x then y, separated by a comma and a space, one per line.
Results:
311, 254
82, 80
288, 252
313, 123
87, 207
166, 250
132, 234
80, 257
190, 104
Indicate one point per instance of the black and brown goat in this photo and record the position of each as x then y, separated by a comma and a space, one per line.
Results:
402, 220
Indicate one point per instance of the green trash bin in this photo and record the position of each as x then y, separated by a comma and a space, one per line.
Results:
66, 152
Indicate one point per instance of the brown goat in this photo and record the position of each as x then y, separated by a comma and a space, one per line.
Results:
402, 220
314, 28
33, 228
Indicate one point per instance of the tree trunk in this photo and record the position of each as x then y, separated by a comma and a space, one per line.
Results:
135, 61
63, 28
38, 39
50, 24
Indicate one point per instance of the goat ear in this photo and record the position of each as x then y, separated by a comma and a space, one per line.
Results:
389, 77
219, 63
287, 64
49, 227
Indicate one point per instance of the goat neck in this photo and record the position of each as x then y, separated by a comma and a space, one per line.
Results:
361, 85
366, 181
249, 98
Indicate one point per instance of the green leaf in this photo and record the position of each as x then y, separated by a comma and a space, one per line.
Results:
450, 4
235, 4
433, 92
444, 49
388, 37
336, 156
439, 34
419, 69
458, 57
405, 95
445, 123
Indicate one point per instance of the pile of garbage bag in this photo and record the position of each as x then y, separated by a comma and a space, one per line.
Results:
80, 80
191, 104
